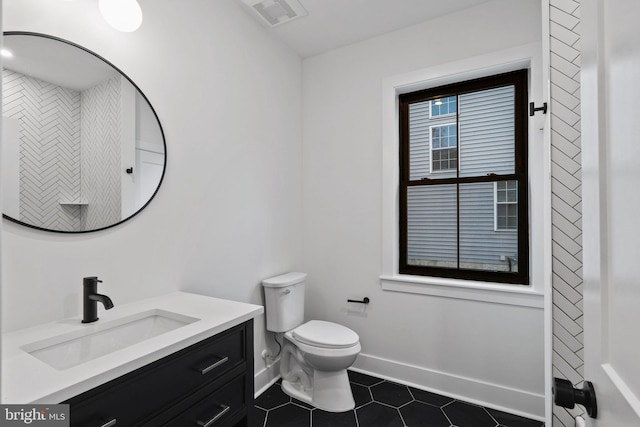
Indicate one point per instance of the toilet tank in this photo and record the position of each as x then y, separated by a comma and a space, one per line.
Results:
284, 301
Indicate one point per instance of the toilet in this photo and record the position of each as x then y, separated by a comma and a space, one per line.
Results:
316, 354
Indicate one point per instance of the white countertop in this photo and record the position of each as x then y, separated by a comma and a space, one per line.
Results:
26, 379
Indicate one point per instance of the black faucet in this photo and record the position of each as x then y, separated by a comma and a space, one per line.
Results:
90, 298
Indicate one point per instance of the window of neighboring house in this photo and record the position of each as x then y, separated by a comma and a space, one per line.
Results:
443, 106
463, 180
506, 208
444, 147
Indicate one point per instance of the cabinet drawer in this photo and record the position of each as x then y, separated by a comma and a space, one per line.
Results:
134, 396
216, 409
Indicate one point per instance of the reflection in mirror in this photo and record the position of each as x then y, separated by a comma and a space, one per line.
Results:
82, 148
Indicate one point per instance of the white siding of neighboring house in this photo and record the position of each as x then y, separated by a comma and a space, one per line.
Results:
486, 131
431, 222
419, 145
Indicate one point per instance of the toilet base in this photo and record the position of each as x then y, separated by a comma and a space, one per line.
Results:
331, 391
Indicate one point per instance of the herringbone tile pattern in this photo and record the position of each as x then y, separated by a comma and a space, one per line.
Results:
101, 158
69, 151
566, 204
49, 118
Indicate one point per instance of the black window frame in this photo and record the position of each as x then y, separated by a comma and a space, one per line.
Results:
519, 80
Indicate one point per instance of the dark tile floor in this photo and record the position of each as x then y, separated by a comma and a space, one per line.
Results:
381, 403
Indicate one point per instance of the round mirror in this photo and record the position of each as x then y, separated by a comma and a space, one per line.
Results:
82, 148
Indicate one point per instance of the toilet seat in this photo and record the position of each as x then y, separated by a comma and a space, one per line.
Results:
322, 334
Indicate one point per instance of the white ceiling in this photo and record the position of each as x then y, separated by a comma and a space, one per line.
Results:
55, 62
331, 24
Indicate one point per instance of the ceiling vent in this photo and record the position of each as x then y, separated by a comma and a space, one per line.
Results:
276, 12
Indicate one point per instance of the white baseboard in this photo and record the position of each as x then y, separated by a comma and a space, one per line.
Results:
517, 402
266, 377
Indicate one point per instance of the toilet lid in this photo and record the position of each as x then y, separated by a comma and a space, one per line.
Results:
319, 333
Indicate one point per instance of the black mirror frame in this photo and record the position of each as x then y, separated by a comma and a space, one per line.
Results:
164, 141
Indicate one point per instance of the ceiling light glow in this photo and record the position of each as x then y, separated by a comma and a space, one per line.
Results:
123, 15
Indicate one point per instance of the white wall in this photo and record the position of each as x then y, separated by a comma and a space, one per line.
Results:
487, 352
229, 211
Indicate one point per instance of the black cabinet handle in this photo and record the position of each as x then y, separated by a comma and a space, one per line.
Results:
362, 301
223, 410
209, 367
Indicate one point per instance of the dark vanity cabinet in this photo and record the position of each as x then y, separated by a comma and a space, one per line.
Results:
209, 384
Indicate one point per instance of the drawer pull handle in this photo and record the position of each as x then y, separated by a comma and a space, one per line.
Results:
216, 417
213, 365
109, 423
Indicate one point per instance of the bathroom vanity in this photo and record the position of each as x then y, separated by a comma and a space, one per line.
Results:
209, 383
192, 366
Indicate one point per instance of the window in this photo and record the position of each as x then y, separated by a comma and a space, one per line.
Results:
463, 180
506, 213
444, 147
443, 106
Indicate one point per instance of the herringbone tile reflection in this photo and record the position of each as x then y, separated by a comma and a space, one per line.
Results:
101, 165
49, 118
69, 151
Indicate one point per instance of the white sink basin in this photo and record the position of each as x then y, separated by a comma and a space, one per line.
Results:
97, 339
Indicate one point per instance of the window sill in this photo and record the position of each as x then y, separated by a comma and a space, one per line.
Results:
463, 289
